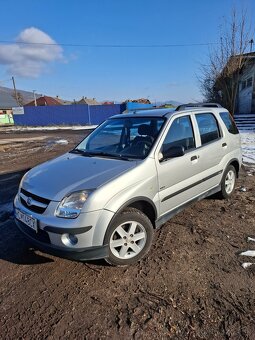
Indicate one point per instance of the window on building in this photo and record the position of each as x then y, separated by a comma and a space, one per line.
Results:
243, 84
249, 82
208, 127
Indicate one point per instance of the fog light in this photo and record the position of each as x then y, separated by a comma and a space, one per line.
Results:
69, 240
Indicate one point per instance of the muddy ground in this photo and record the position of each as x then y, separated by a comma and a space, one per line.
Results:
190, 286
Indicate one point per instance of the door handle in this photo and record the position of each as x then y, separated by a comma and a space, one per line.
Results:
224, 145
193, 158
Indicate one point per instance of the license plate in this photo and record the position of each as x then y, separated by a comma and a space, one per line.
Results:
29, 220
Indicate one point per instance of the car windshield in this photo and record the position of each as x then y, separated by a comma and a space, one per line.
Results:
124, 138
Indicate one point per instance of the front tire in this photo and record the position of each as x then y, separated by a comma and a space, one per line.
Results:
228, 182
129, 237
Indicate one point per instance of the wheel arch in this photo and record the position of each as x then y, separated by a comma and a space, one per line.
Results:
143, 204
235, 163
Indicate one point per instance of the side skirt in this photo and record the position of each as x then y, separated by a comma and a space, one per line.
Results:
163, 219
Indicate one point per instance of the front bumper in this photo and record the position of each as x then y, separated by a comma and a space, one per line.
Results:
78, 254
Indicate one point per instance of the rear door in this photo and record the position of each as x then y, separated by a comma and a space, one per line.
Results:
211, 150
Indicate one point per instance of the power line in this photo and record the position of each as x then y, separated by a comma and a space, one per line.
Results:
5, 80
108, 45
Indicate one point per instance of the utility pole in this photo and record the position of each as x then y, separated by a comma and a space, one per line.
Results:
15, 91
89, 115
34, 98
251, 42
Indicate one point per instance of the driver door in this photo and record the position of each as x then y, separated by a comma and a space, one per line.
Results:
177, 175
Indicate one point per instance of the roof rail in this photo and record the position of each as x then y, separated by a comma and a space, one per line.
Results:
196, 105
143, 109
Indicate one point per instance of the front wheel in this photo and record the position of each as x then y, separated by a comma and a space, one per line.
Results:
228, 182
129, 237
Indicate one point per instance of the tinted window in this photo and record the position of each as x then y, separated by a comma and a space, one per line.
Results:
208, 127
180, 134
229, 122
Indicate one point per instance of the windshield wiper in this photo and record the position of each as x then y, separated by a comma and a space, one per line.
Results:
81, 152
110, 155
99, 153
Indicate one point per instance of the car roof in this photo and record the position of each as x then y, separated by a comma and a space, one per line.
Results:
154, 112
162, 112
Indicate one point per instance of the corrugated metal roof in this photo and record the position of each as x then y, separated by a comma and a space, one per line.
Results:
7, 99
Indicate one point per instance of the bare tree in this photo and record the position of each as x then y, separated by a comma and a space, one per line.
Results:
19, 98
220, 78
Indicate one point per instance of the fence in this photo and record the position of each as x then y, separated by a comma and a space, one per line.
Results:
66, 114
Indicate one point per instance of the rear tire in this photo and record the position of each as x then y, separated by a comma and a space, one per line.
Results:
129, 237
228, 182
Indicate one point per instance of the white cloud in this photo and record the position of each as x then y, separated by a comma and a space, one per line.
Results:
30, 60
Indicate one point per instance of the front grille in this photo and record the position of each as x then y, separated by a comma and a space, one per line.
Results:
41, 235
34, 208
39, 204
35, 197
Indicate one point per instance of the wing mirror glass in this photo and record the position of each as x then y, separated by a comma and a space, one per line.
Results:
172, 152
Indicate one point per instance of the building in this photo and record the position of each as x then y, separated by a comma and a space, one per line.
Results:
44, 101
246, 89
87, 101
6, 117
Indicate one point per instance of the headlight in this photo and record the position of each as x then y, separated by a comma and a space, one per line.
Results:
70, 206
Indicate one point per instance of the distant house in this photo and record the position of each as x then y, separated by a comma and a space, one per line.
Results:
63, 101
44, 101
108, 103
87, 101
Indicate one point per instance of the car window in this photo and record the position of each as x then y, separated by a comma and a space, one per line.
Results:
208, 127
179, 134
128, 137
229, 122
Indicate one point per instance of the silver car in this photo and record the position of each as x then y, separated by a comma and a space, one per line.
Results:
105, 198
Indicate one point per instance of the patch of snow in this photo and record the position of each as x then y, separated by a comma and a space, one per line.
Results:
248, 147
51, 128
61, 141
247, 264
251, 239
250, 253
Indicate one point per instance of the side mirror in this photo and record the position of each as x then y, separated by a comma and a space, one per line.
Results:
174, 151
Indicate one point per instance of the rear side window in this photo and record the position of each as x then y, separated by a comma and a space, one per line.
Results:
180, 134
208, 127
229, 122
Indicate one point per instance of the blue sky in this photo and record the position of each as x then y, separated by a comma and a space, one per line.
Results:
110, 73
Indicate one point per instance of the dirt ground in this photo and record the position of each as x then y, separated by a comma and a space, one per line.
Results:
190, 286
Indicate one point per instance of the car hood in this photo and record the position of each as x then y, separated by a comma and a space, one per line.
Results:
68, 173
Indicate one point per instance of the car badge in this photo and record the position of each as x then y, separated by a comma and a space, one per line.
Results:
29, 201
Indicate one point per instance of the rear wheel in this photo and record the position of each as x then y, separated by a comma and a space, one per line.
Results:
228, 182
129, 237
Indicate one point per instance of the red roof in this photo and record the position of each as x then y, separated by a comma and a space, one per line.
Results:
44, 101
